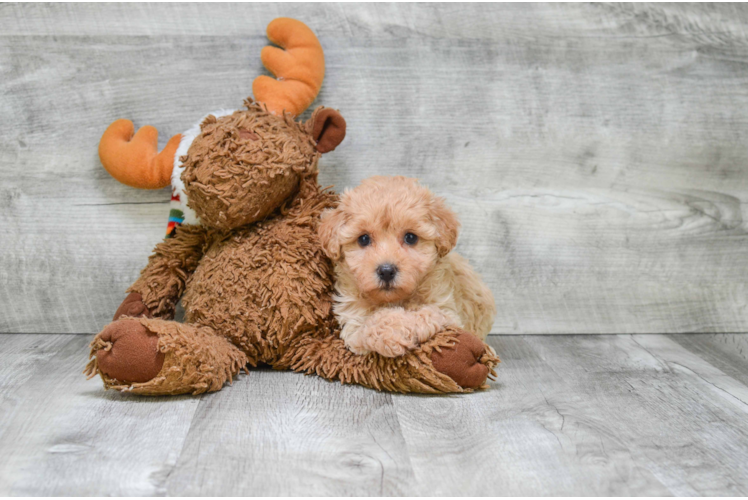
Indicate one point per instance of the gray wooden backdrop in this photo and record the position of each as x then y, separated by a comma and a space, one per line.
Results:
597, 154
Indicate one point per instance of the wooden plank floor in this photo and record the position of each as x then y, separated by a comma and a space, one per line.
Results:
568, 415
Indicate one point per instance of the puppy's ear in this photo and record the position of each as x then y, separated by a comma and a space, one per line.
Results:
329, 233
447, 226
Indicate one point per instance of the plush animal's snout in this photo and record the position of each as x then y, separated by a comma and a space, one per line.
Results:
387, 272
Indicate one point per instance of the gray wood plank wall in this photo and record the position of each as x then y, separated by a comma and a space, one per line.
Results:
597, 154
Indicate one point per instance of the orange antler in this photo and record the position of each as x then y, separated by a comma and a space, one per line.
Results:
135, 160
300, 68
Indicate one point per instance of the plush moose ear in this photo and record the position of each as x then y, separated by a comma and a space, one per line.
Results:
447, 226
331, 224
328, 129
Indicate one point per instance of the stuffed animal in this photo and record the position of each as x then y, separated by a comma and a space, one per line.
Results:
243, 253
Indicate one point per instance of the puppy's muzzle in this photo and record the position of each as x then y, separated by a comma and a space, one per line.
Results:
387, 273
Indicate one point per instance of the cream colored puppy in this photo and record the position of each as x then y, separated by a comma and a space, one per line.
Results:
398, 281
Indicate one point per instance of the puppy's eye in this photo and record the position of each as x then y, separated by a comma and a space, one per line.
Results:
364, 240
410, 239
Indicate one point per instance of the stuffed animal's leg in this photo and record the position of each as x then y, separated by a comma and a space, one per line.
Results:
452, 361
159, 357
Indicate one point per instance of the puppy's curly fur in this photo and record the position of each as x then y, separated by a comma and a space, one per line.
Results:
398, 281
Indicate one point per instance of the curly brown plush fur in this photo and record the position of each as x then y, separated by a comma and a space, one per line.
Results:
253, 279
196, 360
242, 166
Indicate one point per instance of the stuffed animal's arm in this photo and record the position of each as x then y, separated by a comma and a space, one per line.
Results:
451, 361
162, 281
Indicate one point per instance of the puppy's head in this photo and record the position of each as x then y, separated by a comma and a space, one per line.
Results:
387, 234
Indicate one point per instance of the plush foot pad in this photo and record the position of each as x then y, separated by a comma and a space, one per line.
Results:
468, 362
128, 352
155, 357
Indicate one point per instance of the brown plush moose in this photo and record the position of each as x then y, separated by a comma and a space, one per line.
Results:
255, 285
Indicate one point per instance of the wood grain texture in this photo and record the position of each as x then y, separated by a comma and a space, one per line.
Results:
568, 415
727, 352
285, 434
63, 435
613, 415
595, 153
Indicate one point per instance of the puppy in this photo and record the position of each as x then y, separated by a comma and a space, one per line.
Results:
398, 281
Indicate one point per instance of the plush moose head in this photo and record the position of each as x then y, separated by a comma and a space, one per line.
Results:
243, 166
240, 166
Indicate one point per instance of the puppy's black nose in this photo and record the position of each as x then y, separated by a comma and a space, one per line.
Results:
387, 272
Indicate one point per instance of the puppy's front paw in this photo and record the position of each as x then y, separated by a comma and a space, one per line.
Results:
387, 332
356, 346
428, 321
393, 347
383, 347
